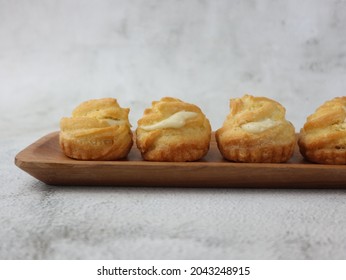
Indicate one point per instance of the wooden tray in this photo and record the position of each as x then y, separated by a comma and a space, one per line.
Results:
45, 161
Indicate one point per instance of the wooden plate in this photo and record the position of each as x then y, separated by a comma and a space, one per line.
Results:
45, 161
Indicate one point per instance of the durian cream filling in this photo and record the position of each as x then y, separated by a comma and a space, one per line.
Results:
114, 122
260, 126
176, 120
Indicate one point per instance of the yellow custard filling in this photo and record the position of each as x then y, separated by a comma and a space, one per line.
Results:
260, 126
176, 120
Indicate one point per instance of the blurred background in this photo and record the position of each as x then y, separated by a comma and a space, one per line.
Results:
56, 54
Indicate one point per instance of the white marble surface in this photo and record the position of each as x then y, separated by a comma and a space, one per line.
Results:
55, 54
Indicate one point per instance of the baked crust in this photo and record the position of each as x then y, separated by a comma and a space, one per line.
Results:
190, 142
256, 131
99, 129
323, 137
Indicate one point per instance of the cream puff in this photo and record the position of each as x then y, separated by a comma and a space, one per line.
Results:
323, 137
99, 129
172, 130
256, 131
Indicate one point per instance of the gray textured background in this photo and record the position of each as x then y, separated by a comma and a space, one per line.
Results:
56, 54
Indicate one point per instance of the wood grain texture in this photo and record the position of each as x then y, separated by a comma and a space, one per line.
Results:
45, 161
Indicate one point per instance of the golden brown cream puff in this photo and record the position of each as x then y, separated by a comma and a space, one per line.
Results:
323, 137
256, 131
99, 129
172, 130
